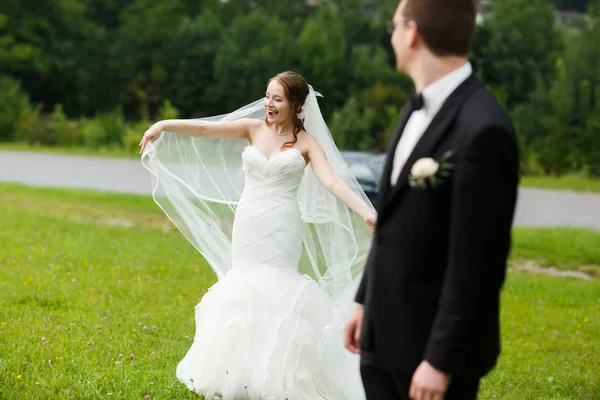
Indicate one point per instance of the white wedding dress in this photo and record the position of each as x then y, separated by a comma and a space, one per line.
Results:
265, 331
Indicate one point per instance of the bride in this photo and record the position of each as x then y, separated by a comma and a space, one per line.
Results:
286, 228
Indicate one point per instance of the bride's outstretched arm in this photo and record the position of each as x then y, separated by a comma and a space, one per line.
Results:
239, 129
336, 186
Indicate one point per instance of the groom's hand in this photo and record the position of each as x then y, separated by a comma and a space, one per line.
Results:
428, 383
352, 331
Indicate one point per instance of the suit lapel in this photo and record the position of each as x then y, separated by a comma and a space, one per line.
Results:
434, 133
384, 184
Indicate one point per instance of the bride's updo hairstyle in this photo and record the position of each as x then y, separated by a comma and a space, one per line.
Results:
296, 90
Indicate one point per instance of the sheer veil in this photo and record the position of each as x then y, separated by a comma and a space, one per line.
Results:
198, 182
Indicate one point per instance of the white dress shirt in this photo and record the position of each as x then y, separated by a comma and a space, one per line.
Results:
434, 96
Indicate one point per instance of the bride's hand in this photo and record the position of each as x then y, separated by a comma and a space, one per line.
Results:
371, 220
151, 135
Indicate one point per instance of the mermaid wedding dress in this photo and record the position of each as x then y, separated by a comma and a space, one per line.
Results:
288, 257
264, 330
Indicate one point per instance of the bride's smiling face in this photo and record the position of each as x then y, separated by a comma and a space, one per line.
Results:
276, 103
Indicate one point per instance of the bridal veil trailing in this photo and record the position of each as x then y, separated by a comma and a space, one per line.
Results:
288, 256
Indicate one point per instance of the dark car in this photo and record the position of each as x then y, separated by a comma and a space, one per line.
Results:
367, 168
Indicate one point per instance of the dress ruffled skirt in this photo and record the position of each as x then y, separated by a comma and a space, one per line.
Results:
269, 333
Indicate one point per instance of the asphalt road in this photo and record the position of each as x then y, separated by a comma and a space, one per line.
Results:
535, 207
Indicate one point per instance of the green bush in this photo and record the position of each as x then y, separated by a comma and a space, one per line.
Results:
14, 106
367, 121
106, 130
29, 126
167, 111
351, 126
93, 134
135, 131
114, 127
60, 131
49, 130
133, 135
77, 137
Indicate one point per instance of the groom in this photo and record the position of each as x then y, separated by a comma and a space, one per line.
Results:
427, 323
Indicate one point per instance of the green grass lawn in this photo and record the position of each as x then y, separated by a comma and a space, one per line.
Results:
562, 248
575, 183
550, 340
106, 152
100, 275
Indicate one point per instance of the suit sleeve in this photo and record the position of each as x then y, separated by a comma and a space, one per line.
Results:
362, 288
483, 201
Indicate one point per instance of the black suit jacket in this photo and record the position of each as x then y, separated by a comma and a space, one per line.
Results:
432, 282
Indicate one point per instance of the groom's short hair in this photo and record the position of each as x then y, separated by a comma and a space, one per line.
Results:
446, 26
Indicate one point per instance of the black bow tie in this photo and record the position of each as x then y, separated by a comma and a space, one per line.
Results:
416, 101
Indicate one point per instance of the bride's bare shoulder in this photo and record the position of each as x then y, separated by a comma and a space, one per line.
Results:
256, 123
255, 126
305, 140
304, 137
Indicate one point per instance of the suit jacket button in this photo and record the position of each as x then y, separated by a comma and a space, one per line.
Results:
379, 240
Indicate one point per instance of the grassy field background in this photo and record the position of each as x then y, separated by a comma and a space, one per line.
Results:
98, 294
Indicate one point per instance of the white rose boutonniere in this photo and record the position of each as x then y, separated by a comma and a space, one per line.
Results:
429, 172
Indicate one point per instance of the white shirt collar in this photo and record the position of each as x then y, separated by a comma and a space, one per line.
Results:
436, 93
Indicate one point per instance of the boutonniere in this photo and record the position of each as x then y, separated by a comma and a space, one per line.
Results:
429, 172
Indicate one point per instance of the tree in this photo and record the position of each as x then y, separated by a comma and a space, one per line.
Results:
572, 5
56, 38
11, 52
584, 58
351, 126
368, 119
522, 43
13, 105
106, 13
254, 48
322, 56
369, 64
190, 57
137, 56
292, 13
559, 123
590, 140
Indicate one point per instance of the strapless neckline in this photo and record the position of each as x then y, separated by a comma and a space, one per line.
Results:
268, 160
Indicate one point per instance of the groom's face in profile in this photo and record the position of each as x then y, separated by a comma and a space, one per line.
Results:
403, 38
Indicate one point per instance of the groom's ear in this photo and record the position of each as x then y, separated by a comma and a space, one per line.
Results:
412, 34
